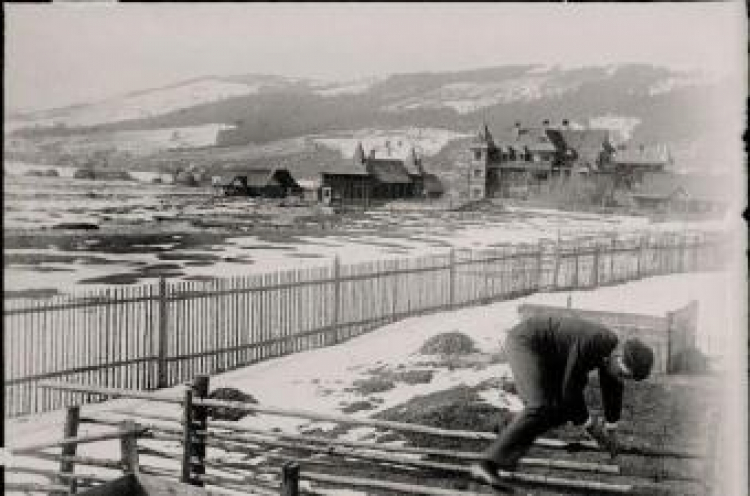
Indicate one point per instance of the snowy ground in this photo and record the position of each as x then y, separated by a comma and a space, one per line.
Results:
321, 379
127, 207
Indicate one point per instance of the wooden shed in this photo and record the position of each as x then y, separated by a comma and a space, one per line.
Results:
266, 183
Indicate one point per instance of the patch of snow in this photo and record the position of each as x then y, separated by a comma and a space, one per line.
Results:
141, 142
346, 87
621, 126
294, 381
676, 82
148, 104
393, 143
467, 97
14, 168
541, 69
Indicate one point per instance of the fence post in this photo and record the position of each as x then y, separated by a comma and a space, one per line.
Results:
70, 430
558, 255
683, 252
539, 264
162, 379
129, 447
612, 252
199, 429
187, 435
639, 257
670, 337
290, 479
334, 334
696, 252
394, 304
486, 297
595, 268
452, 282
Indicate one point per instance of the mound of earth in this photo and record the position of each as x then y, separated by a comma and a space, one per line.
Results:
371, 385
358, 406
459, 408
414, 376
448, 343
226, 413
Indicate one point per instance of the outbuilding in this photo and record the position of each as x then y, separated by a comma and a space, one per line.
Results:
263, 182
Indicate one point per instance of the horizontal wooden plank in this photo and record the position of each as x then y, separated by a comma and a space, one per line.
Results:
348, 420
76, 370
85, 302
31, 448
325, 442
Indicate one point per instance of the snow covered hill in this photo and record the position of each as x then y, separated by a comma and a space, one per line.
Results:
146, 103
638, 102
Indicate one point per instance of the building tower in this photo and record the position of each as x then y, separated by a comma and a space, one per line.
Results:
482, 152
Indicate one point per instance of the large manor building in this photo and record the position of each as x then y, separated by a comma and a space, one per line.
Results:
528, 158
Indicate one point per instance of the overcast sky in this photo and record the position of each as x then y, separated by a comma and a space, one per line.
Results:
61, 54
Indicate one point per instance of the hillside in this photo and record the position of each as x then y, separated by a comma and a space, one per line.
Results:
638, 102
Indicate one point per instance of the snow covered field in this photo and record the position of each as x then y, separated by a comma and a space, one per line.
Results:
322, 379
377, 235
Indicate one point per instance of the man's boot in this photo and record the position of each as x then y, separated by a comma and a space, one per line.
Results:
486, 472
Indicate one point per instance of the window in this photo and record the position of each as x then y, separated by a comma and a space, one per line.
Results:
478, 172
477, 154
476, 192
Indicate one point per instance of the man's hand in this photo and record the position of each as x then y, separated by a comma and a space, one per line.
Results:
604, 435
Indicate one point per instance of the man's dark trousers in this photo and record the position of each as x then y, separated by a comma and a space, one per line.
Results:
538, 390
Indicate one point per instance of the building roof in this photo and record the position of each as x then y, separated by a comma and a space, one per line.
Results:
258, 178
483, 136
642, 156
387, 171
588, 143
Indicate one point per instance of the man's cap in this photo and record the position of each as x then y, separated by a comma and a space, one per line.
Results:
638, 358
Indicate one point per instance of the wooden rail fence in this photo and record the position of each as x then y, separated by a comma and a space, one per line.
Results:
322, 461
159, 335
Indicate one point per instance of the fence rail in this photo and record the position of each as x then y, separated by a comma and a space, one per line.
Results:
158, 335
